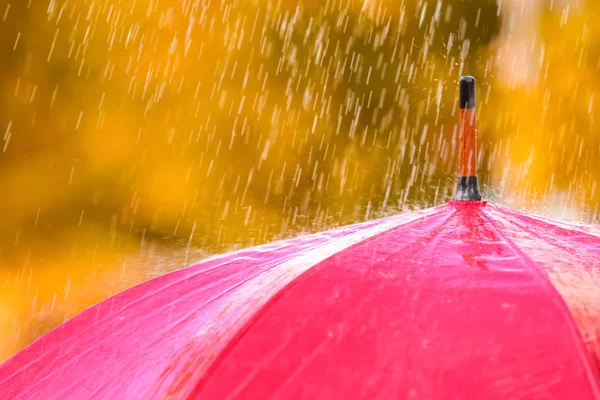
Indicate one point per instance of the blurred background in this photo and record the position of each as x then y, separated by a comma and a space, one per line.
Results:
138, 136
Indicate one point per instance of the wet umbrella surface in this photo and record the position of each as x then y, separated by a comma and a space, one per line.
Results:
466, 300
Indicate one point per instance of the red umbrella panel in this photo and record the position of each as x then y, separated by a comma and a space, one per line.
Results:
466, 300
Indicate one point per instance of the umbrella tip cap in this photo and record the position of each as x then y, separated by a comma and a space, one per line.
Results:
468, 189
467, 92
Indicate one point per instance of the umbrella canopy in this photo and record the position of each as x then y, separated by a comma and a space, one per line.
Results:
462, 301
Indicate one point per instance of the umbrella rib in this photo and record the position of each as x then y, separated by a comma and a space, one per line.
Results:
549, 224
260, 312
392, 223
558, 301
192, 274
314, 353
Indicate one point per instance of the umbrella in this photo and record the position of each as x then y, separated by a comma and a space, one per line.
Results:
466, 300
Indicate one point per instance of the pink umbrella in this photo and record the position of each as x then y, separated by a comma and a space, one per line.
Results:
466, 300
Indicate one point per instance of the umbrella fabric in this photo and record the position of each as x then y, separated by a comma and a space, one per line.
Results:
462, 301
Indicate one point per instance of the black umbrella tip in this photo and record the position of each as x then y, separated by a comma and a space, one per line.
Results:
467, 92
468, 189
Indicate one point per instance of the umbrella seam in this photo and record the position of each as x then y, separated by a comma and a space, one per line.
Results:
160, 290
261, 310
559, 302
368, 224
548, 223
438, 230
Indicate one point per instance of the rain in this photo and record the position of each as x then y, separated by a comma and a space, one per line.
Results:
140, 136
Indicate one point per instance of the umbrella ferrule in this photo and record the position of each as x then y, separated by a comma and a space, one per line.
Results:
468, 188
